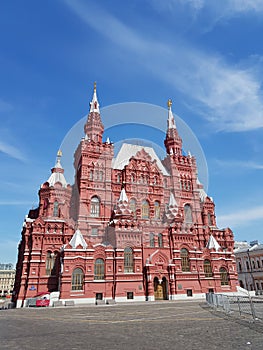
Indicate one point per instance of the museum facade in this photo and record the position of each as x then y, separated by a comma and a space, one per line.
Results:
132, 226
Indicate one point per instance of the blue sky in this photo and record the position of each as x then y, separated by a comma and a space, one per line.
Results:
206, 55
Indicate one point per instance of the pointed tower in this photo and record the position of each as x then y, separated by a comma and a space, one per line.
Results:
91, 199
94, 128
55, 193
173, 141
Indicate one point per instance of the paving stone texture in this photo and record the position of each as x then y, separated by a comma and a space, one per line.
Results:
172, 325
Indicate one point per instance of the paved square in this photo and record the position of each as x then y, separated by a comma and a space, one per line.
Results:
153, 325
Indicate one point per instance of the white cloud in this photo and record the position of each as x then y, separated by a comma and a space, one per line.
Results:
240, 164
241, 6
241, 217
228, 96
12, 151
221, 9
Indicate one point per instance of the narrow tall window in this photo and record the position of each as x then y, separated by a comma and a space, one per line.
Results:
91, 175
77, 279
208, 268
160, 240
247, 265
95, 207
128, 260
223, 276
185, 262
152, 240
99, 269
51, 263
55, 209
133, 207
145, 209
188, 213
209, 219
156, 210
132, 178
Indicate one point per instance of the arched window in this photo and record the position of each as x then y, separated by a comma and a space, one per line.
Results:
145, 209
55, 209
185, 262
188, 213
133, 207
77, 279
95, 207
156, 210
118, 178
51, 267
247, 265
223, 276
208, 268
91, 174
160, 240
152, 240
128, 260
99, 273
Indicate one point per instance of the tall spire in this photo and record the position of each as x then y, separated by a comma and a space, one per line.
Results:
170, 121
173, 141
58, 164
94, 104
94, 128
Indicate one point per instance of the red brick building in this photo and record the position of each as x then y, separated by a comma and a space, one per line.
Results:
130, 227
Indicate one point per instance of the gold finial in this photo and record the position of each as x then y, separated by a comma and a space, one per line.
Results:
95, 85
59, 154
169, 103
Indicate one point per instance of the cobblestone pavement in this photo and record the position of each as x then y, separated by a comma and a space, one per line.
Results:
176, 325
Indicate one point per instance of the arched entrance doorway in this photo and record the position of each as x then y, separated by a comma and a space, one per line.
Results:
160, 288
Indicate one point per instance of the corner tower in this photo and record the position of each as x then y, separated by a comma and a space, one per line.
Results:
91, 205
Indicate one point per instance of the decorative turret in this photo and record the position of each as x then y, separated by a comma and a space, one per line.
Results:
94, 128
122, 209
78, 240
213, 244
172, 211
173, 141
57, 173
55, 193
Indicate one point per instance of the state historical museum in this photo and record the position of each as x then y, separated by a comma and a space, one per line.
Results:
132, 226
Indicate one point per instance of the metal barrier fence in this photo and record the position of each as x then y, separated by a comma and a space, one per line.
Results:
240, 305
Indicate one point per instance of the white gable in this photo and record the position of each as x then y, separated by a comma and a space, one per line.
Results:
78, 239
128, 150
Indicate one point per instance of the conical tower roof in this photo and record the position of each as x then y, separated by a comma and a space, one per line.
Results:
57, 173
